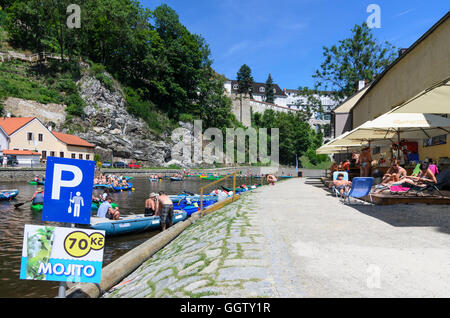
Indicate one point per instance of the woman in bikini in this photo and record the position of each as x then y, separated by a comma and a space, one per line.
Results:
365, 160
425, 176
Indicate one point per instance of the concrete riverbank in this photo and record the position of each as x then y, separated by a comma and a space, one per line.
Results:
295, 240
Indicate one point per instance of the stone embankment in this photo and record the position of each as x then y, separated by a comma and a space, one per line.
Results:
221, 255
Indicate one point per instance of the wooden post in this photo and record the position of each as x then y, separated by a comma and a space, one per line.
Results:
234, 185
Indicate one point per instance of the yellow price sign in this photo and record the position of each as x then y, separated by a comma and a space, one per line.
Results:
79, 244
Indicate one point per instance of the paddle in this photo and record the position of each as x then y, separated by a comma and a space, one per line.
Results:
20, 204
69, 210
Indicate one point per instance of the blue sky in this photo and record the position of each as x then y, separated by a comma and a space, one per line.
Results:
286, 37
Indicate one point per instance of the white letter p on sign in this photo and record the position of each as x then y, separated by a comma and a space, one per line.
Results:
58, 183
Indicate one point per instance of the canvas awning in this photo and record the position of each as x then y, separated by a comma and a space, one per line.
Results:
434, 100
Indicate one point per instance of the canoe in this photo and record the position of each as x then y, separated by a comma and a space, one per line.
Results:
36, 207
132, 223
118, 189
96, 205
37, 182
176, 179
8, 194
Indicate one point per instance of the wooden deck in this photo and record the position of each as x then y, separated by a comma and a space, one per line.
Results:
386, 198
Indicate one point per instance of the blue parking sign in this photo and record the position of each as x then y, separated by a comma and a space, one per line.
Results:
68, 190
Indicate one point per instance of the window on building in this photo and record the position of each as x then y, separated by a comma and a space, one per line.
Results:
88, 157
73, 156
44, 154
438, 140
41, 137
29, 136
52, 153
80, 156
61, 154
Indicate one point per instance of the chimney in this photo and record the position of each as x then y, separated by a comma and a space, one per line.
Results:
401, 51
361, 84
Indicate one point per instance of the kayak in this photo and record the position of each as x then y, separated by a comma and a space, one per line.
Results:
119, 189
96, 205
8, 194
176, 179
153, 179
132, 223
285, 177
37, 182
210, 178
36, 207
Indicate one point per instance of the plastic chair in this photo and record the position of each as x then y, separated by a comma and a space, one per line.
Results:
361, 187
335, 175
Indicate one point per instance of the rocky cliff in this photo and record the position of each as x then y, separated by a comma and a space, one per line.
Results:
115, 132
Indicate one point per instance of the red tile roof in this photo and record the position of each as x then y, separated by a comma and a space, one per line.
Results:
12, 124
72, 140
20, 152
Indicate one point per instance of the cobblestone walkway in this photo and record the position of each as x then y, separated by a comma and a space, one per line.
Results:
229, 253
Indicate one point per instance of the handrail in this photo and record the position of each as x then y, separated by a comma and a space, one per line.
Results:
213, 183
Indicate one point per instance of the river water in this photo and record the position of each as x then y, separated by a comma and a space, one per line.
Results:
12, 222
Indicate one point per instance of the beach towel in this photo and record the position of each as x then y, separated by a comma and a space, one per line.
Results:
398, 189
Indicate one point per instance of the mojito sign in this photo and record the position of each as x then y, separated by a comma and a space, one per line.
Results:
62, 254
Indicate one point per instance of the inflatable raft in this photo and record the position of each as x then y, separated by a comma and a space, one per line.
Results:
8, 194
132, 223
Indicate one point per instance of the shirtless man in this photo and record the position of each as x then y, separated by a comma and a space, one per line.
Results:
271, 179
341, 184
151, 204
394, 174
165, 210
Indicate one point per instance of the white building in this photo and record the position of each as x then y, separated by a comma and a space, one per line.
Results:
258, 92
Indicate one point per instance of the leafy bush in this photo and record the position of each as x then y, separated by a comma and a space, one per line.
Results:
75, 104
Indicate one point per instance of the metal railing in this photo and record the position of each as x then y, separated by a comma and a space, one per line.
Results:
213, 183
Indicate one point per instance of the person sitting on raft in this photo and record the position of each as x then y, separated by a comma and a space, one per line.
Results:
38, 196
105, 210
151, 204
124, 183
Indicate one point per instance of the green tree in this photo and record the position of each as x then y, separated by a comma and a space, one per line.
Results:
269, 90
245, 81
359, 57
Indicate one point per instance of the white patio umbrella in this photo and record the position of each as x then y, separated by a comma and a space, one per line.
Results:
401, 125
434, 100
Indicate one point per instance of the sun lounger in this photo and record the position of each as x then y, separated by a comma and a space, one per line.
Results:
361, 187
443, 179
335, 175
